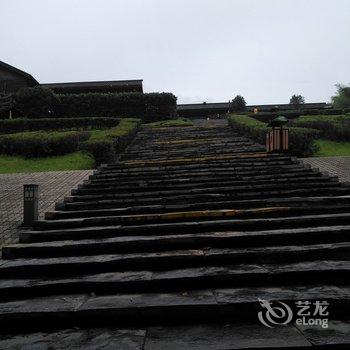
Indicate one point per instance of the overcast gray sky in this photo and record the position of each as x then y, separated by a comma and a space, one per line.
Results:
201, 50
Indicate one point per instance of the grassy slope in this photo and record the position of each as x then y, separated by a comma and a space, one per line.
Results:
72, 161
329, 148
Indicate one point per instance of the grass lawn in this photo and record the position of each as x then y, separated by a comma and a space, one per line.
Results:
332, 148
171, 122
72, 161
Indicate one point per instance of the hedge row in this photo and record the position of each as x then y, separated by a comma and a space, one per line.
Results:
39, 102
149, 107
105, 145
336, 128
8, 126
301, 140
292, 114
41, 144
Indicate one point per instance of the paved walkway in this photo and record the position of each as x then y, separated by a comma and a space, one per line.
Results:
336, 166
53, 186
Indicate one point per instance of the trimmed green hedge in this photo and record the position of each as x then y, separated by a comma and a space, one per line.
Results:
9, 126
39, 102
149, 107
104, 145
268, 116
292, 114
41, 144
301, 140
336, 128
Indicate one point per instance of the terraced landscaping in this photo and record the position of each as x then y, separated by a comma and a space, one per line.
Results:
173, 245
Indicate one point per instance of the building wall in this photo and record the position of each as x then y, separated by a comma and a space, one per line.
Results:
10, 81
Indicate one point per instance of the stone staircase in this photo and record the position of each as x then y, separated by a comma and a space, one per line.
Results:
184, 234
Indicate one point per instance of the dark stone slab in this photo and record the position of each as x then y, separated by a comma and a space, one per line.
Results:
77, 339
224, 337
337, 333
252, 294
166, 242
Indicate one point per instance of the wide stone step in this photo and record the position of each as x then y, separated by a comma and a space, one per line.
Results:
206, 179
240, 335
224, 149
180, 147
250, 172
202, 176
220, 305
185, 216
109, 280
185, 227
245, 158
189, 183
190, 199
192, 158
65, 213
217, 165
179, 176
218, 189
132, 244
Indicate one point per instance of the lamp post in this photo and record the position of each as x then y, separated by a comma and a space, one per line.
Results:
30, 204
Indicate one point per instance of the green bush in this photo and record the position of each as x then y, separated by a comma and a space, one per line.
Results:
36, 102
268, 116
149, 107
8, 126
104, 145
301, 140
336, 128
39, 102
41, 144
292, 114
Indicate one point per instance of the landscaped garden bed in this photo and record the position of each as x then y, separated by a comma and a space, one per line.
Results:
301, 140
65, 150
334, 139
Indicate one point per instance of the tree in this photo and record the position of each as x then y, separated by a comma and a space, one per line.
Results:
342, 98
36, 102
297, 100
238, 104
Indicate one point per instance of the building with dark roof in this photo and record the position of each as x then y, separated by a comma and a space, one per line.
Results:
96, 86
12, 79
209, 109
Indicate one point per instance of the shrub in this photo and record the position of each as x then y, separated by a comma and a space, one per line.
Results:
41, 144
301, 140
331, 111
336, 128
268, 116
8, 126
36, 102
149, 107
105, 144
39, 102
